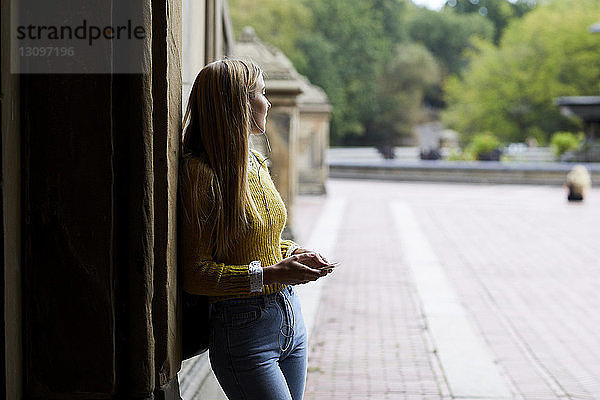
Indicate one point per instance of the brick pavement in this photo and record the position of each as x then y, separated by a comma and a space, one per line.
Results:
523, 260
369, 339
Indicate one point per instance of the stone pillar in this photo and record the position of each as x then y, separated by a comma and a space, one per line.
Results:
282, 130
99, 236
10, 219
194, 38
313, 139
204, 43
219, 33
166, 120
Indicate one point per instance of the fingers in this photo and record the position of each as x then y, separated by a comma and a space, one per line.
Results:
310, 273
313, 260
303, 268
318, 256
303, 273
321, 257
302, 252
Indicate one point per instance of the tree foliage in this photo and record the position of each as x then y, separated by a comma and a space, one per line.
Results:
346, 51
510, 89
447, 34
282, 23
499, 12
562, 142
400, 89
376, 59
484, 146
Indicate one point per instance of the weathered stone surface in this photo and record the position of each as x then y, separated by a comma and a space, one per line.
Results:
100, 156
166, 88
313, 139
68, 302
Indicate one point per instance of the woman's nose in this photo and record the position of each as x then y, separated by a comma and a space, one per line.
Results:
268, 104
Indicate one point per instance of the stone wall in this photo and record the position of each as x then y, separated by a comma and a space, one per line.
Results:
98, 171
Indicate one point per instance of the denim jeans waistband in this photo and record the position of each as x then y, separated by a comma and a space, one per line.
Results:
256, 300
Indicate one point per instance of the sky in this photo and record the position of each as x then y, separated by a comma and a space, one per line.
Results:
432, 4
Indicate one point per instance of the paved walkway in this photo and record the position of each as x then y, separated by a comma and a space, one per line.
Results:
456, 291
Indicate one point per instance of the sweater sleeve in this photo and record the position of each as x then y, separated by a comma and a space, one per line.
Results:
287, 248
200, 272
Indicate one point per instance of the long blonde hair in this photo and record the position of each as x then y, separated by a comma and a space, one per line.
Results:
215, 151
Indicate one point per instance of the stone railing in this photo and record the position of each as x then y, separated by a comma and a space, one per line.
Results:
547, 173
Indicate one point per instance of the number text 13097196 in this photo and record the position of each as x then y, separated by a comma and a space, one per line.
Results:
46, 51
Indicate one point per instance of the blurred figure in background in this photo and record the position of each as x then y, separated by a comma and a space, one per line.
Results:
578, 182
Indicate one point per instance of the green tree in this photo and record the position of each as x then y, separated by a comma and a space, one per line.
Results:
400, 89
282, 23
347, 47
447, 35
391, 14
510, 90
499, 12
353, 39
562, 142
482, 147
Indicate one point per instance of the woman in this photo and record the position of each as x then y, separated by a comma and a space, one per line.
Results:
232, 219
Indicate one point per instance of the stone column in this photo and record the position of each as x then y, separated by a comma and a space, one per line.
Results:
282, 130
10, 219
194, 39
99, 188
313, 139
166, 119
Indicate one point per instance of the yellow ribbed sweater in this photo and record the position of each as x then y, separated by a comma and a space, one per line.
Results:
230, 277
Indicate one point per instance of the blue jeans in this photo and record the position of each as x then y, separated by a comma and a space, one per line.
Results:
258, 347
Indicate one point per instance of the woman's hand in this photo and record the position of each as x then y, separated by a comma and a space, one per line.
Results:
297, 269
300, 250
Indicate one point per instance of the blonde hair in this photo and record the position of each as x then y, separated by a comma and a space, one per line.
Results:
215, 151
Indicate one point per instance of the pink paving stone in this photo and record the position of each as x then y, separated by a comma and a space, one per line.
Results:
524, 261
359, 312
